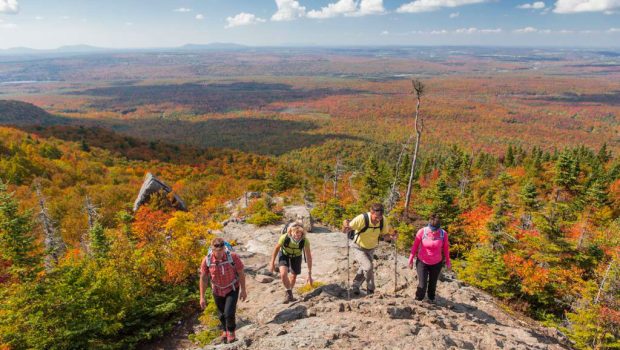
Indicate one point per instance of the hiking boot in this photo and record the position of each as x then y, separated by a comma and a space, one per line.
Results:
231, 337
291, 298
288, 297
355, 290
432, 301
370, 291
224, 337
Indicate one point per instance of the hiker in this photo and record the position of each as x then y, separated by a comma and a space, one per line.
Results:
224, 269
292, 244
432, 248
364, 231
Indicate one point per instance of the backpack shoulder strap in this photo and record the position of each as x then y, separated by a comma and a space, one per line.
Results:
287, 241
230, 258
381, 225
366, 224
208, 257
285, 228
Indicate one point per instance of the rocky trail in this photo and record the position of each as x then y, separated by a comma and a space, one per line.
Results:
462, 318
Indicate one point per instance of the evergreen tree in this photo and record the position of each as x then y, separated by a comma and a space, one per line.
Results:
17, 243
567, 171
282, 181
509, 159
529, 195
439, 199
375, 182
99, 243
604, 155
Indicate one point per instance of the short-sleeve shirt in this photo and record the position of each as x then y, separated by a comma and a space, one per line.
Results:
370, 238
292, 249
222, 273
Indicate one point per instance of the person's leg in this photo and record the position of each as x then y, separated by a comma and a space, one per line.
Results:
433, 276
220, 302
422, 279
284, 277
283, 264
362, 260
295, 269
230, 309
370, 272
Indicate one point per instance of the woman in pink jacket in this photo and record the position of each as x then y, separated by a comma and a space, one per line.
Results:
432, 248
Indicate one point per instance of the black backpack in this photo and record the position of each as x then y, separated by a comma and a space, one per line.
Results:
354, 235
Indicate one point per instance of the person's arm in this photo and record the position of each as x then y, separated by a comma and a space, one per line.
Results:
204, 281
243, 293
446, 251
272, 265
309, 261
414, 249
388, 233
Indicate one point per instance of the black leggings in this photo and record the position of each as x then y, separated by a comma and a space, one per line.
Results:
226, 308
427, 275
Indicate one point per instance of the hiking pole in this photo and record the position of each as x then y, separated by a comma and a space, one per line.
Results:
346, 236
395, 270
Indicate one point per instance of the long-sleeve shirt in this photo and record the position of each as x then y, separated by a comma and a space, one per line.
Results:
430, 250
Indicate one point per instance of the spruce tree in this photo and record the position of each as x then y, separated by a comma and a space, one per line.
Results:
439, 199
99, 243
17, 242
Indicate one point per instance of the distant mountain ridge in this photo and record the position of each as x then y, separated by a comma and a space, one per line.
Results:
95, 49
20, 113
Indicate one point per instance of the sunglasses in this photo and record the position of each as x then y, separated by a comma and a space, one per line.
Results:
218, 245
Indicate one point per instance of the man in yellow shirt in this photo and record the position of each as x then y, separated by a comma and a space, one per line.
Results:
367, 228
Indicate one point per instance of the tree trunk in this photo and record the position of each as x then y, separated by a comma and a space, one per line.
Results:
418, 133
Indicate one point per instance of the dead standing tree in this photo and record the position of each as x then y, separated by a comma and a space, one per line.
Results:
54, 245
418, 123
93, 217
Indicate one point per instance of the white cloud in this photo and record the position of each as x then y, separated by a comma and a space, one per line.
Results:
533, 6
200, 17
39, 18
454, 15
182, 9
525, 30
576, 6
435, 32
434, 5
288, 10
64, 18
9, 6
385, 32
474, 30
342, 7
129, 24
243, 19
371, 7
350, 8
613, 30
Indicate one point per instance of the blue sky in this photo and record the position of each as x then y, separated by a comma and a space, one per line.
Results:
48, 24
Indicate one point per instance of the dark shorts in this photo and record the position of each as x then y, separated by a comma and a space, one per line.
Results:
292, 262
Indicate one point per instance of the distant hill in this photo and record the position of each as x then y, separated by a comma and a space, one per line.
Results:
213, 46
22, 113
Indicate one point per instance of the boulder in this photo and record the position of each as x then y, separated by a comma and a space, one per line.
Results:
298, 213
